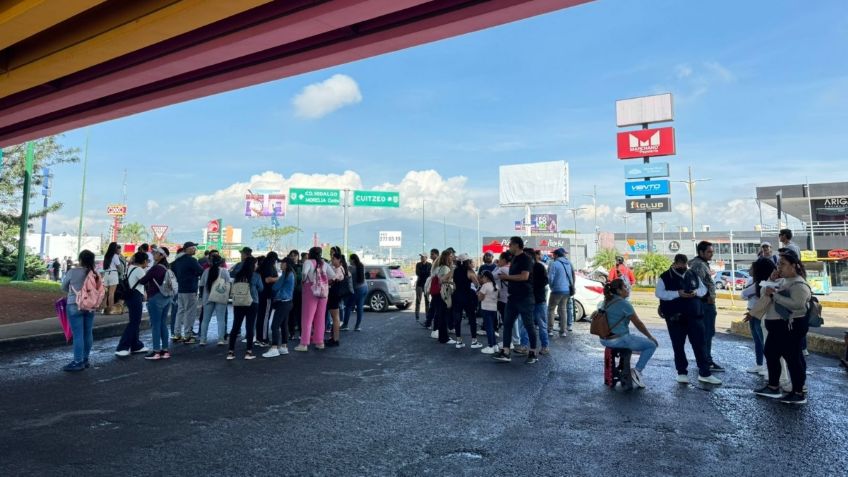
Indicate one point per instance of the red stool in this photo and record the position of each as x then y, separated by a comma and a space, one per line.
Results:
617, 372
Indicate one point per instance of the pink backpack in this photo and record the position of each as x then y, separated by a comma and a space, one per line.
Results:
321, 284
91, 294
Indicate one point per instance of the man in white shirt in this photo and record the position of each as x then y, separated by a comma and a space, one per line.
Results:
785, 238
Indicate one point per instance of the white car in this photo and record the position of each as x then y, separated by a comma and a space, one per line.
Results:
589, 294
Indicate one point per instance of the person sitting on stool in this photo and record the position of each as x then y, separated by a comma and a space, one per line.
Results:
619, 315
679, 291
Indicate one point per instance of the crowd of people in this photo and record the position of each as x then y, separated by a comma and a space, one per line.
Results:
519, 296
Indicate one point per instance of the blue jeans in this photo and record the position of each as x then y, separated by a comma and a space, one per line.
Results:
757, 334
640, 344
82, 325
174, 309
709, 330
220, 311
540, 319
157, 309
489, 319
358, 300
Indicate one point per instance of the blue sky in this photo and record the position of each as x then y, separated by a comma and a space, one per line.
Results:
760, 90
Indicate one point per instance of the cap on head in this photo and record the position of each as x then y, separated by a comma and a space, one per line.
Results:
246, 250
765, 244
560, 252
188, 245
463, 257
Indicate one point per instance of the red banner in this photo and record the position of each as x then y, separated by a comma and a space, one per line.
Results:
646, 143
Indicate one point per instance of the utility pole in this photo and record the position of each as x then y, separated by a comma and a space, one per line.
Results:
20, 274
445, 232
594, 196
690, 186
45, 191
423, 240
625, 218
479, 253
345, 218
82, 194
574, 211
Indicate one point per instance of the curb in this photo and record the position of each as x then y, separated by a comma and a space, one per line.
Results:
816, 343
46, 340
726, 296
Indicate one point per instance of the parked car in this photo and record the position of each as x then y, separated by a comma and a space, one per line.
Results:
589, 294
387, 286
722, 280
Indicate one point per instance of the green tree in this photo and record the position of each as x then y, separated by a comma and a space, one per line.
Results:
133, 232
605, 258
274, 235
653, 265
48, 153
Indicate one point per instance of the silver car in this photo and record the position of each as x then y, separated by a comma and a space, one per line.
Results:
387, 286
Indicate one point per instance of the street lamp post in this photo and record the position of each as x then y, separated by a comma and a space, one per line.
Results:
690, 185
574, 211
594, 196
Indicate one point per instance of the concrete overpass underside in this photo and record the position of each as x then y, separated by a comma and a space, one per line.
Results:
65, 64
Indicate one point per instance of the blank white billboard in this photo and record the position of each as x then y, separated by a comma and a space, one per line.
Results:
534, 183
647, 109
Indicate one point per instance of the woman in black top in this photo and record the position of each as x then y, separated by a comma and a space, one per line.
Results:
465, 299
360, 290
268, 272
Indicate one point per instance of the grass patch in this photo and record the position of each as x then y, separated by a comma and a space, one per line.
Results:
34, 285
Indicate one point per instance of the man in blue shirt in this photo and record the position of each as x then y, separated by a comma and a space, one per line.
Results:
561, 280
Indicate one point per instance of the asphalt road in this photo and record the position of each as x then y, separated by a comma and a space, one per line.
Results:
391, 401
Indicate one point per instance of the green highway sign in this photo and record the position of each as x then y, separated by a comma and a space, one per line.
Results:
373, 198
315, 197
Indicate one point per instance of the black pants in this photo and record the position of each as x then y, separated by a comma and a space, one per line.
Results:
514, 309
129, 340
786, 343
501, 314
239, 315
420, 293
262, 317
693, 328
441, 317
280, 323
430, 320
465, 304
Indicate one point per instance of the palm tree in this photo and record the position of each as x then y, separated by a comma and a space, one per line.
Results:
273, 235
653, 265
605, 258
133, 233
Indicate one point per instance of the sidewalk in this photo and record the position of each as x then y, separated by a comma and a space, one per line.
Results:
48, 332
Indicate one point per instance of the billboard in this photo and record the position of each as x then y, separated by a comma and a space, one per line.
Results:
643, 110
259, 204
539, 223
390, 239
654, 204
646, 143
637, 188
642, 171
116, 210
534, 183
545, 243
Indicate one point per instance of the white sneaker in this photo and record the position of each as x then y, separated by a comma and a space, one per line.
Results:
221, 342
460, 345
284, 351
142, 350
570, 329
434, 335
637, 378
481, 332
453, 341
123, 353
271, 353
806, 353
476, 344
496, 348
755, 370
497, 335
786, 386
709, 379
488, 350
763, 372
683, 378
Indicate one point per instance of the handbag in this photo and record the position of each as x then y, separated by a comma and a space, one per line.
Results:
600, 325
62, 314
220, 291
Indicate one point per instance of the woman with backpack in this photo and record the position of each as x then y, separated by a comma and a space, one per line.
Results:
215, 294
245, 292
85, 291
316, 284
111, 275
442, 279
339, 290
283, 289
787, 322
158, 283
360, 291
619, 314
134, 298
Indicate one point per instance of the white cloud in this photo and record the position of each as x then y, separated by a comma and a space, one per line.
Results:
683, 71
320, 99
152, 205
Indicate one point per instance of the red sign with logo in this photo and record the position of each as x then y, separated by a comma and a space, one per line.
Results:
646, 143
838, 254
213, 226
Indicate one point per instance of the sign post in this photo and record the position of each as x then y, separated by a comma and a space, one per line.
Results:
375, 198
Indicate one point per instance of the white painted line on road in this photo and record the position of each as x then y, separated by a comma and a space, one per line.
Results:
99, 381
